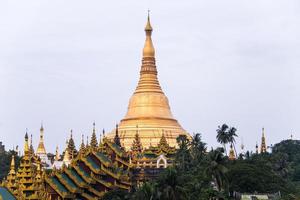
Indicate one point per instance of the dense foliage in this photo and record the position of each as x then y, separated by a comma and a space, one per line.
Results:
199, 174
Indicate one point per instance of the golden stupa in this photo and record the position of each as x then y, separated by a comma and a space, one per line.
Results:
148, 112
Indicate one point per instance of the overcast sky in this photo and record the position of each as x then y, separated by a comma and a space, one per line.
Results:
69, 63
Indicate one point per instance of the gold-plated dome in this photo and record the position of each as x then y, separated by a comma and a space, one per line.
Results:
148, 107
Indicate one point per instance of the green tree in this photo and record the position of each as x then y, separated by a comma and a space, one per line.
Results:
148, 191
170, 186
222, 136
198, 148
116, 194
216, 169
231, 134
183, 156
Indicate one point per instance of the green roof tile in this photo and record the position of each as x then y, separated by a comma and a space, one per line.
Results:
5, 194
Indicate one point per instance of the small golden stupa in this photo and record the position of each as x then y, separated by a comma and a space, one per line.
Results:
148, 111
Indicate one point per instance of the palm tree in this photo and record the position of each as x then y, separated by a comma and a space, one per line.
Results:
147, 191
198, 148
222, 136
183, 156
231, 137
170, 187
216, 169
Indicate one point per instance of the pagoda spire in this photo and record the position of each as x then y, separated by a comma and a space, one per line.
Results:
117, 138
263, 147
31, 146
148, 75
82, 145
11, 178
137, 145
41, 147
163, 144
71, 147
231, 153
66, 159
148, 106
94, 142
26, 146
148, 50
57, 156
12, 164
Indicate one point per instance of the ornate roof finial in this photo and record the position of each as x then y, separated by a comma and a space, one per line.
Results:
31, 146
136, 146
148, 50
82, 146
66, 159
41, 147
26, 146
148, 25
71, 146
11, 178
94, 142
12, 163
117, 138
263, 147
57, 157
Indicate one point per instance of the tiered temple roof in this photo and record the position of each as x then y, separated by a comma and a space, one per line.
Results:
91, 173
26, 182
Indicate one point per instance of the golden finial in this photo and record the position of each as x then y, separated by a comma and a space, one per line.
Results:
148, 50
66, 158
26, 146
12, 163
148, 25
57, 157
263, 147
41, 147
